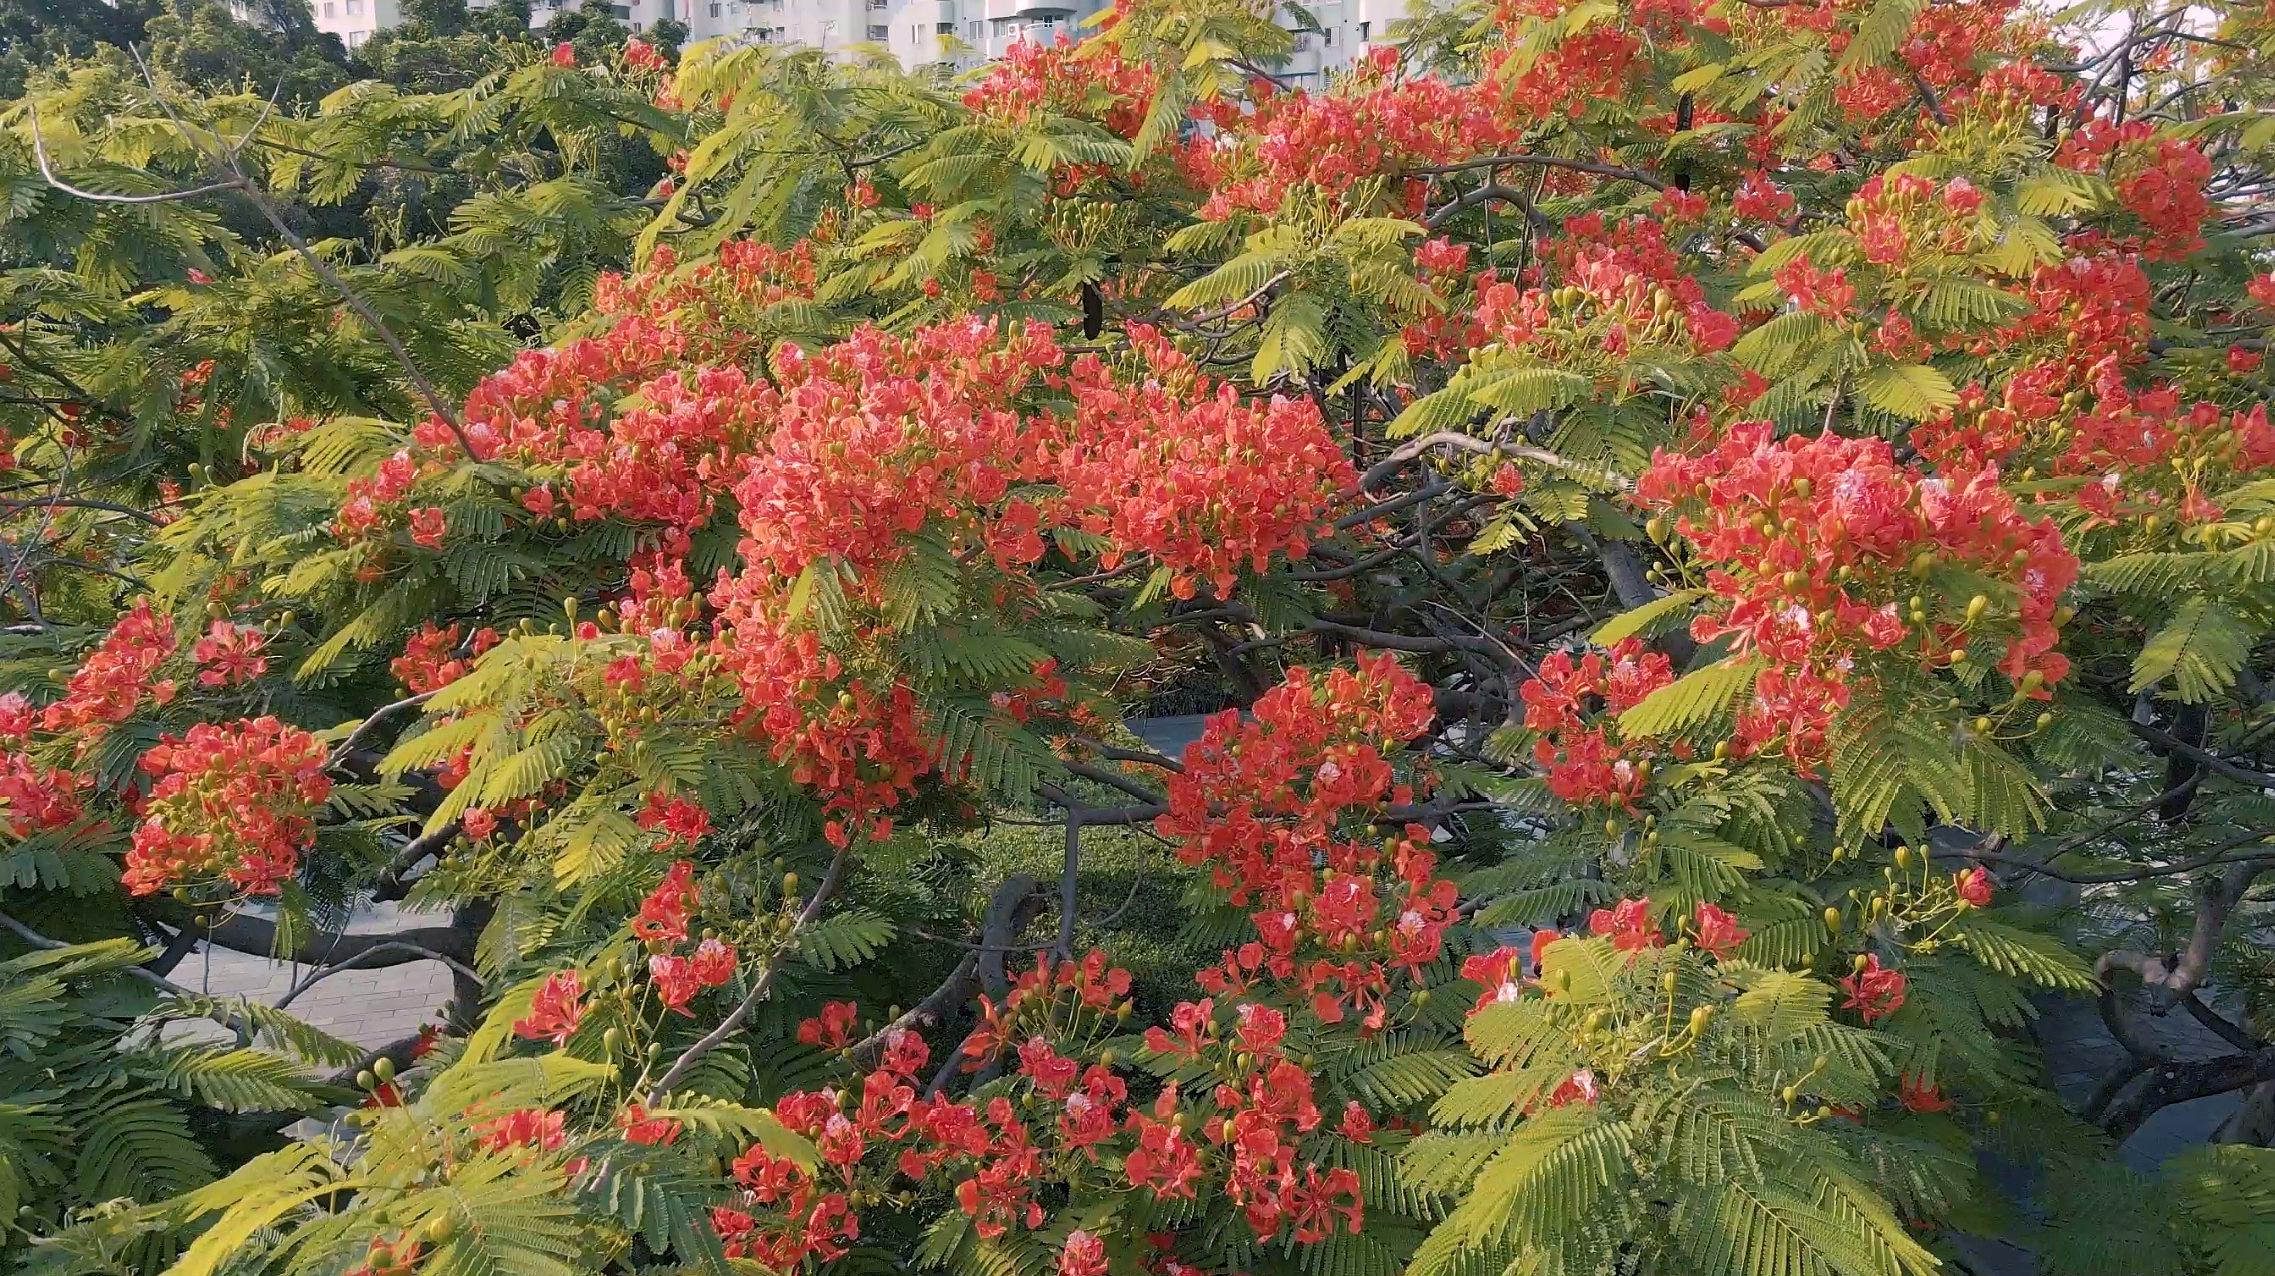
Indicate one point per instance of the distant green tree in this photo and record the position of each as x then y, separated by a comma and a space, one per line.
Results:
278, 53
40, 33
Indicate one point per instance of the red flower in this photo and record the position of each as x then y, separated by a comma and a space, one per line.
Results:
639, 1127
1874, 991
479, 822
529, 1127
1628, 923
555, 1011
229, 654
1718, 931
1083, 1255
1974, 886
642, 56
1919, 1096
564, 54
1358, 1125
428, 526
1164, 1161
1580, 1087
833, 1028
1541, 939
679, 820
1498, 972
665, 912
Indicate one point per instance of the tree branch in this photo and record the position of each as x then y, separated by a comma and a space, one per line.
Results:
759, 990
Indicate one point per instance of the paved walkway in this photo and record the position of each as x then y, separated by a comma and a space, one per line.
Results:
367, 1007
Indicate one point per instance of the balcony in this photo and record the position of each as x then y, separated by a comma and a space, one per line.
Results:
1028, 10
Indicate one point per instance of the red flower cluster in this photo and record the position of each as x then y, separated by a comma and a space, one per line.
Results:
1571, 705
33, 797
1262, 803
232, 801
1895, 221
1030, 77
115, 677
1169, 464
1874, 992
679, 979
555, 1011
1624, 288
1809, 541
2159, 178
1371, 125
431, 659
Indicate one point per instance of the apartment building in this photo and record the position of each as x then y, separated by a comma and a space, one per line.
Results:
355, 21
962, 33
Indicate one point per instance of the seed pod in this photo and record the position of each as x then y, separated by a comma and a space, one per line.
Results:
1700, 1016
1833, 920
1983, 725
1958, 655
1976, 606
1858, 963
610, 1039
383, 1068
1903, 857
364, 1080
1789, 1095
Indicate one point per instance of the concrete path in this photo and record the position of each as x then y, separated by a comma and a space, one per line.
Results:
367, 1007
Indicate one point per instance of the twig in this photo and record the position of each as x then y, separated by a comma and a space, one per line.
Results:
759, 990
229, 163
356, 961
371, 723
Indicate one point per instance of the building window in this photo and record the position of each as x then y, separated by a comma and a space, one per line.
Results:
714, 8
623, 12
355, 8
1327, 37
329, 7
972, 31
879, 34
944, 28
1363, 29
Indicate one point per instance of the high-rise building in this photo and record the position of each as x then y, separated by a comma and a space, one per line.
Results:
962, 33
354, 21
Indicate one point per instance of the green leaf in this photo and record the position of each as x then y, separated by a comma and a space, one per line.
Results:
2200, 650
1914, 390
1651, 617
1882, 30
1689, 700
